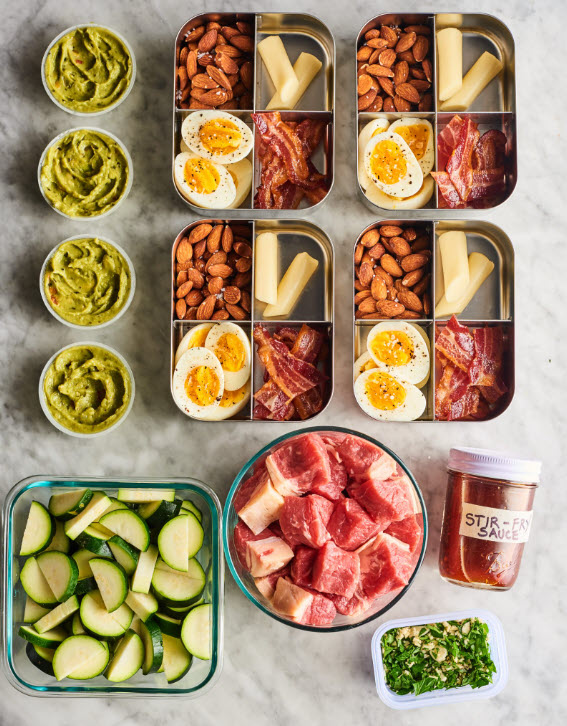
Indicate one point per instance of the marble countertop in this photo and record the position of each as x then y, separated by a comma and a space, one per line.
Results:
273, 675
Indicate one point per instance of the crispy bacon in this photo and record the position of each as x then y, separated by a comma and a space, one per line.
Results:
307, 344
447, 140
309, 403
459, 166
488, 352
272, 403
456, 343
278, 135
490, 152
287, 335
448, 192
466, 406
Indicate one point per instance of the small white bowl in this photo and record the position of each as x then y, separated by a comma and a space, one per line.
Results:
119, 314
45, 407
116, 103
126, 153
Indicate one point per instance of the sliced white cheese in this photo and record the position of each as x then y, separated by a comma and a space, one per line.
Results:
480, 268
279, 67
263, 507
266, 267
305, 68
455, 264
292, 285
94, 509
449, 62
479, 76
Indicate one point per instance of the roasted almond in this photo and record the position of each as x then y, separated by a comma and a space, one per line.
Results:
390, 230
226, 63
236, 312
214, 238
374, 56
376, 107
219, 77
400, 246
392, 293
364, 53
389, 308
407, 56
426, 103
247, 74
420, 244
377, 43
226, 239
389, 106
198, 233
410, 300
419, 29
358, 252
208, 41
196, 277
409, 234
200, 265
365, 274
197, 104
367, 99
387, 57
220, 315
381, 272
206, 308
242, 279
232, 294
364, 84
182, 57
409, 315
406, 41
405, 90
427, 69
228, 31
196, 34
183, 78
375, 69
420, 86
401, 72
389, 35
194, 298
370, 238
218, 258
220, 270
215, 97
377, 251
414, 261
184, 251
418, 73
180, 308
422, 285
413, 277
203, 80
378, 288
243, 249
368, 305
358, 286
185, 288
389, 264
372, 33
427, 304
362, 295
216, 285
387, 86
420, 48
243, 264
246, 301
191, 314
181, 278
243, 42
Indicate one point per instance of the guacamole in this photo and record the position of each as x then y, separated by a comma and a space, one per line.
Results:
87, 281
88, 70
85, 173
87, 389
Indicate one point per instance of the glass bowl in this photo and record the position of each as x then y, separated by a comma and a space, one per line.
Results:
30, 680
246, 582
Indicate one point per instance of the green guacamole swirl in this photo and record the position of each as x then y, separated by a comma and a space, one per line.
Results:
87, 281
84, 174
87, 389
88, 70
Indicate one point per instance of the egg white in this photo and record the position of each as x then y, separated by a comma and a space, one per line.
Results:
189, 340
362, 363
193, 124
221, 198
412, 180
233, 380
221, 412
416, 201
373, 127
411, 409
191, 359
416, 371
241, 173
428, 157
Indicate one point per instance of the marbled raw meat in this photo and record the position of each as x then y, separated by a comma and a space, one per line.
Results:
350, 526
336, 571
302, 566
242, 535
385, 565
300, 464
304, 519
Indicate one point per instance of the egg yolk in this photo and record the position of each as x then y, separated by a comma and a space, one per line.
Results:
197, 340
220, 136
230, 351
201, 175
384, 392
392, 347
416, 137
387, 162
230, 398
202, 385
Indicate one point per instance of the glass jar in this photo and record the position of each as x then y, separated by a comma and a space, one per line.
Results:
487, 517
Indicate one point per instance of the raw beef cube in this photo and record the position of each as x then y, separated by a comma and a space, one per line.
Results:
267, 585
385, 501
302, 566
299, 465
242, 535
291, 600
268, 555
385, 565
350, 526
355, 605
336, 571
321, 612
364, 460
277, 531
304, 520
338, 481
247, 487
263, 507
408, 530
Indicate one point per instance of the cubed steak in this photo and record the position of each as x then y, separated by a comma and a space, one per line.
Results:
263, 507
291, 600
304, 520
277, 531
322, 610
300, 464
247, 487
385, 565
242, 535
267, 585
336, 571
408, 530
355, 605
302, 566
339, 477
268, 555
385, 501
350, 526
364, 460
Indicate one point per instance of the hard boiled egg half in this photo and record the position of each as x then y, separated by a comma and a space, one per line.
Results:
217, 136
401, 350
195, 338
231, 346
386, 398
392, 166
198, 383
418, 135
372, 128
202, 182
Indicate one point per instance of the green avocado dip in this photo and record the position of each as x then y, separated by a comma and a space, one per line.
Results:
87, 281
84, 174
87, 389
88, 70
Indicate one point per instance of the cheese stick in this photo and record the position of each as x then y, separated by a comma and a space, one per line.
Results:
292, 285
448, 20
479, 76
279, 67
266, 268
455, 263
305, 68
480, 268
439, 282
449, 62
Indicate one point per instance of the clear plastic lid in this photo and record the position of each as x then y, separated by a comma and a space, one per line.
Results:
494, 465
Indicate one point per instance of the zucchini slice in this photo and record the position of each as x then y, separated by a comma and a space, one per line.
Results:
127, 659
80, 657
176, 659
96, 618
61, 573
142, 578
157, 514
95, 508
112, 582
35, 584
68, 504
196, 632
153, 646
168, 625
124, 554
179, 540
77, 627
98, 527
190, 507
40, 657
128, 525
84, 585
176, 612
139, 496
57, 615
33, 611
82, 558
178, 589
114, 505
95, 541
39, 531
142, 604
60, 541
49, 639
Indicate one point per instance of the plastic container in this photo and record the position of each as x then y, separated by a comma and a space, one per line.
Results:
116, 103
246, 582
48, 413
487, 518
122, 310
28, 679
126, 153
452, 695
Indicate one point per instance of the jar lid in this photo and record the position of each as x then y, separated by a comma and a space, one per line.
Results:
494, 465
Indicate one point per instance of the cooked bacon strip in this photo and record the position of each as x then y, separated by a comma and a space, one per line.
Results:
447, 140
466, 406
448, 192
285, 142
490, 152
310, 132
487, 362
307, 344
283, 414
488, 183
287, 196
287, 335
459, 166
309, 403
452, 386
456, 343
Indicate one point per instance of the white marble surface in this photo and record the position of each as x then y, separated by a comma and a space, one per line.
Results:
273, 675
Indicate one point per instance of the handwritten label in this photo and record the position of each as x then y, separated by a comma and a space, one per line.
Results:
495, 525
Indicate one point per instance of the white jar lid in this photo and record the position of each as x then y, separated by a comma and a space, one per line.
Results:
494, 465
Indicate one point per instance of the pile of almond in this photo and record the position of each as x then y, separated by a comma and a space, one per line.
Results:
213, 273
215, 66
393, 274
395, 72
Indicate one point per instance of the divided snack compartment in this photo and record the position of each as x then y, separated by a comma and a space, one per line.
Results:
28, 679
300, 32
315, 306
494, 108
492, 305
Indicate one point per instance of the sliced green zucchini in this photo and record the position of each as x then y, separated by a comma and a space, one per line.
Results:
56, 616
127, 659
98, 527
114, 505
61, 573
80, 657
179, 540
135, 625
112, 582
60, 541
35, 584
153, 646
39, 531
178, 589
33, 611
196, 631
50, 639
84, 585
142, 578
139, 496
128, 525
96, 618
95, 541
176, 659
41, 657
67, 505
124, 554
157, 514
168, 625
190, 507
95, 508
142, 604
176, 612
77, 627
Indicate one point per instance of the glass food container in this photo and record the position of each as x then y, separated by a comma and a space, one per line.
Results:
487, 517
